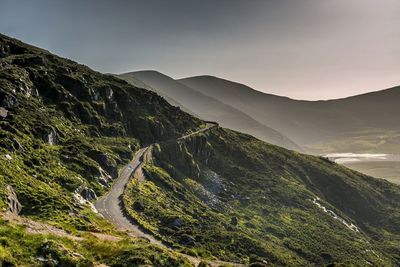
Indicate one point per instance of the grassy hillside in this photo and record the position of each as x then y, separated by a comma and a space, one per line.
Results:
66, 130
64, 134
366, 119
232, 196
19, 247
207, 107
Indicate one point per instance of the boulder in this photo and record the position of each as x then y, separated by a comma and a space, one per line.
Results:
13, 204
3, 113
86, 192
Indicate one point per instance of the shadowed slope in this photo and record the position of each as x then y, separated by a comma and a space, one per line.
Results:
309, 122
207, 107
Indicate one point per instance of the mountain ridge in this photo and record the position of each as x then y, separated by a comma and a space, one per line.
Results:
308, 122
208, 108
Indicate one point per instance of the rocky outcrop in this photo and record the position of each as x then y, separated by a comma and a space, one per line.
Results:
11, 144
86, 192
104, 178
13, 204
8, 101
51, 138
3, 113
80, 202
178, 154
106, 162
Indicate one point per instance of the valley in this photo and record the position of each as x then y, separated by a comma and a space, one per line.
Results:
385, 166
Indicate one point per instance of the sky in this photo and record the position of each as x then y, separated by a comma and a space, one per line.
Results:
304, 49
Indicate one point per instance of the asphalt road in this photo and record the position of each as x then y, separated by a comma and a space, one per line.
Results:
110, 206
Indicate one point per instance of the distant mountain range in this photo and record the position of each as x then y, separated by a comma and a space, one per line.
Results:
365, 122
206, 107
362, 123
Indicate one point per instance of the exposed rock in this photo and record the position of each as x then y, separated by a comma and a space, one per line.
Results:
104, 178
51, 138
3, 113
13, 204
86, 192
9, 101
25, 86
80, 202
96, 95
102, 181
109, 93
8, 157
11, 144
29, 61
49, 262
33, 92
106, 162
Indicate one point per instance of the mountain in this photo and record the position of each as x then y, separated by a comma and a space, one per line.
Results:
206, 107
202, 192
365, 122
65, 131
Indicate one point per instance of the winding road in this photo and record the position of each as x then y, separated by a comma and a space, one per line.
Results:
110, 204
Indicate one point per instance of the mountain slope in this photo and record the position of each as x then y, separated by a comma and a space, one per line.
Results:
66, 131
207, 107
237, 198
311, 122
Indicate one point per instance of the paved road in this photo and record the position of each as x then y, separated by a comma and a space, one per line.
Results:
109, 205
209, 125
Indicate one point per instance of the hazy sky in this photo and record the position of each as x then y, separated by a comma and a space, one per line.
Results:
304, 49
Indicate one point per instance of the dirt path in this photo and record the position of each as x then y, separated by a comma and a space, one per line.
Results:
35, 227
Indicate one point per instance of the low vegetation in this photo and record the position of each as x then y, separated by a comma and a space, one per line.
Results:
19, 247
65, 131
231, 196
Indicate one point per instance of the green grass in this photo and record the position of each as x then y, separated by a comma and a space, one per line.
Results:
269, 192
98, 121
20, 248
217, 194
